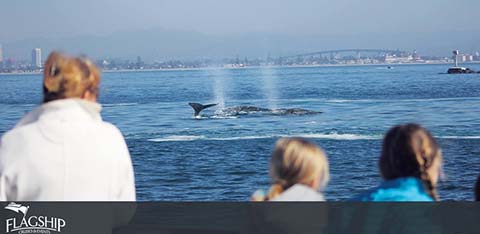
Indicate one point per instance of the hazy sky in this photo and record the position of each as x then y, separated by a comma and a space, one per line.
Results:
23, 19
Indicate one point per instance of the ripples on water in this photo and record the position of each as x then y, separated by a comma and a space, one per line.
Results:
178, 157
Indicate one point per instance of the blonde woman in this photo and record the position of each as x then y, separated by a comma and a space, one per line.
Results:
63, 150
299, 170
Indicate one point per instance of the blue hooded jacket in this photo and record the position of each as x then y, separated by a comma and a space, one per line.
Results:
400, 189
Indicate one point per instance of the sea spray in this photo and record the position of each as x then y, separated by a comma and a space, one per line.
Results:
269, 86
219, 76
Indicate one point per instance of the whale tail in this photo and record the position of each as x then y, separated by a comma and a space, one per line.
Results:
197, 107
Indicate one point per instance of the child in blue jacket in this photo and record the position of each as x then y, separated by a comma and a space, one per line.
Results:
410, 164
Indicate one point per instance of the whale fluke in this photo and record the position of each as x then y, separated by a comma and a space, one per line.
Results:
197, 107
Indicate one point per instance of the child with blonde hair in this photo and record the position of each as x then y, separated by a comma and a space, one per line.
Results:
299, 169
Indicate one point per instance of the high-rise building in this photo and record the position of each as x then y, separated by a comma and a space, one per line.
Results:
37, 57
1, 53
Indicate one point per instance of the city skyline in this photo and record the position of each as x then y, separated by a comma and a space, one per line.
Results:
318, 58
36, 53
24, 56
157, 45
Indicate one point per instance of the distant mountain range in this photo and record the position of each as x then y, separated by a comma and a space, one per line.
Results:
160, 44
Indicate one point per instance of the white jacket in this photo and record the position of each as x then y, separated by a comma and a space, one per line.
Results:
63, 151
299, 192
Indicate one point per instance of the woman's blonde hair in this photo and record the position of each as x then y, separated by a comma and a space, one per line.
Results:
410, 151
296, 161
69, 77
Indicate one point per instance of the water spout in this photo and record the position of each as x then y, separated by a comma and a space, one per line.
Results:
218, 86
269, 78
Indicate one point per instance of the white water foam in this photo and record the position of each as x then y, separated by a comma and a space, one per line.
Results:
222, 117
336, 136
340, 100
458, 137
240, 138
177, 138
199, 117
331, 136
120, 104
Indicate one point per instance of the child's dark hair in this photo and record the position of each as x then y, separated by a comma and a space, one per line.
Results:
409, 151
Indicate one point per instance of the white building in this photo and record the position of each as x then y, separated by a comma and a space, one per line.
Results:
399, 59
469, 58
37, 57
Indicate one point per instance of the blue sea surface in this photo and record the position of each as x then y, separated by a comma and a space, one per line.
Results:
179, 157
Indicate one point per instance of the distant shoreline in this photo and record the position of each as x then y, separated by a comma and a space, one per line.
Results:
251, 67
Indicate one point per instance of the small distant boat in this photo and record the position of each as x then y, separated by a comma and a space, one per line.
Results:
456, 69
460, 70
389, 67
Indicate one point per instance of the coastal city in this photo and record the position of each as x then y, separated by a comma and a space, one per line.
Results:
321, 58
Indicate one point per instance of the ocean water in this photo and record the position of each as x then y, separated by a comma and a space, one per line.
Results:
180, 158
